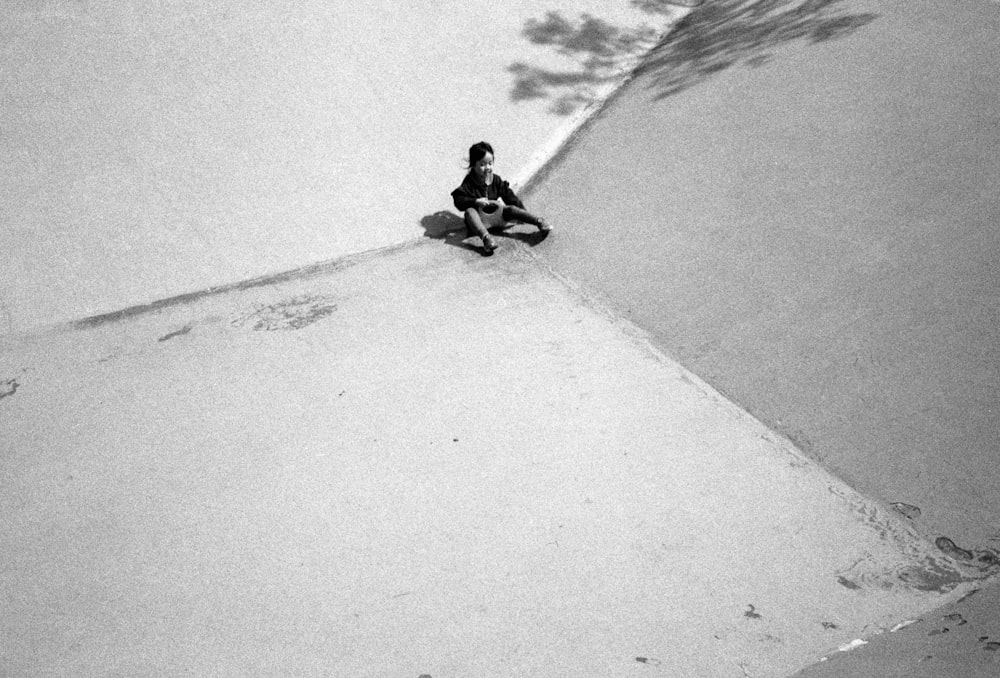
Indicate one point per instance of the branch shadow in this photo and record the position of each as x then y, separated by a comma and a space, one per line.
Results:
714, 36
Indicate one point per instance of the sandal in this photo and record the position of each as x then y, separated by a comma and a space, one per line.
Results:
489, 244
544, 226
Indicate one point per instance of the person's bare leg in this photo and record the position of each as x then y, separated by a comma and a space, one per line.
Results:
475, 224
518, 214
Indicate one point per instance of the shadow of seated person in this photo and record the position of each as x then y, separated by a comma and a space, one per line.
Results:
451, 229
514, 228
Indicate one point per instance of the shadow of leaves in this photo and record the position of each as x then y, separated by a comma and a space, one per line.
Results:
714, 36
598, 47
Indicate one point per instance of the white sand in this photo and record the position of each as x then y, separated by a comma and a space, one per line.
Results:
155, 150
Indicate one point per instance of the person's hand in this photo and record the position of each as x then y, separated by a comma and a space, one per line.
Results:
482, 202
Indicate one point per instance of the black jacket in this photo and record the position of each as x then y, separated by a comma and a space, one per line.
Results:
472, 188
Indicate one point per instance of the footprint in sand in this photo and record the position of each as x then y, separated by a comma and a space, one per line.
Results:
950, 548
906, 510
956, 619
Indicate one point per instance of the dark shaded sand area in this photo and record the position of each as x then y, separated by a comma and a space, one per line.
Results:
800, 205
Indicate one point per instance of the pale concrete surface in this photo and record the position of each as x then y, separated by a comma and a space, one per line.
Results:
418, 462
156, 148
811, 227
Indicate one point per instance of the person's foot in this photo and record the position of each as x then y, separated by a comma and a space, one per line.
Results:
544, 226
489, 244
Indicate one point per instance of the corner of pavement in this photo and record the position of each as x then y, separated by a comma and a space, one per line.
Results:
419, 462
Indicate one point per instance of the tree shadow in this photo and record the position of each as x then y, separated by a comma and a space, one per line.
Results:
599, 47
450, 229
714, 36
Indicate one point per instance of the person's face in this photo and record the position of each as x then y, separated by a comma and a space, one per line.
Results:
484, 167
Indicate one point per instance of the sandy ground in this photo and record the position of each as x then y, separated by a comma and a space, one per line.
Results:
813, 231
281, 477
960, 640
157, 148
419, 462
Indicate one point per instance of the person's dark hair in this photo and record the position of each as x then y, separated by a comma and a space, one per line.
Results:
477, 151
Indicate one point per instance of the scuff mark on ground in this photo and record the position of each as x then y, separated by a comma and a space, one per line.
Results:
8, 387
906, 510
177, 333
848, 584
291, 314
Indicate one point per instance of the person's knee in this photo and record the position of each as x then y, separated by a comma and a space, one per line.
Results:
473, 222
